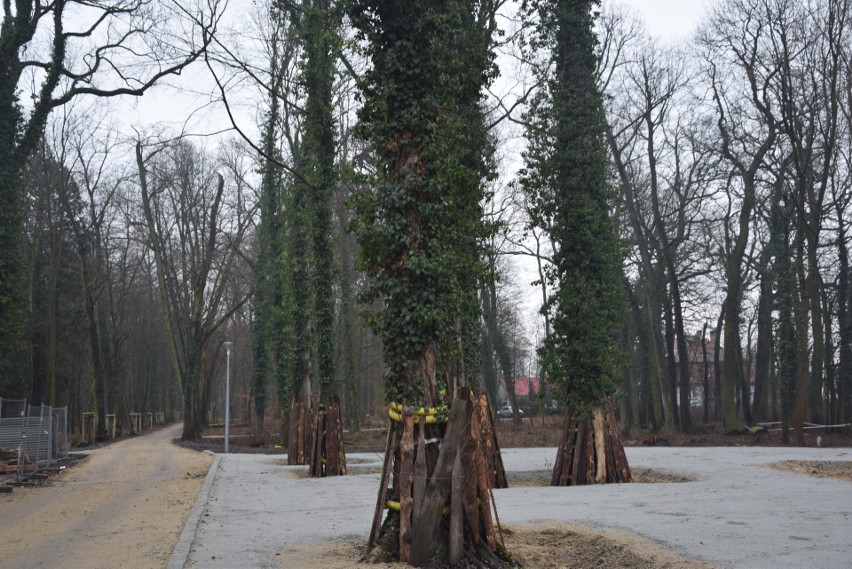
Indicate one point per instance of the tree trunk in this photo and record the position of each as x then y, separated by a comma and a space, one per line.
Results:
844, 322
816, 402
763, 361
671, 362
732, 365
705, 374
717, 367
802, 335
591, 451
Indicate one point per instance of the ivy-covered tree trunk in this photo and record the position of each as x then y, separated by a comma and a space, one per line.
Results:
566, 177
420, 230
266, 308
317, 24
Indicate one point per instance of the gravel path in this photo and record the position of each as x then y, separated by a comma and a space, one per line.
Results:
736, 514
124, 506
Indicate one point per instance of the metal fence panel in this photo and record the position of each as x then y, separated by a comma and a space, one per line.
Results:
41, 435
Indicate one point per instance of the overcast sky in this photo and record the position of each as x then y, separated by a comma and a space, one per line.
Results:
669, 19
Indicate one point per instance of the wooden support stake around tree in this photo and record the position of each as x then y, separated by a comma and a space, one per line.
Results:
428, 519
387, 469
485, 499
318, 444
297, 443
333, 440
622, 467
578, 454
562, 466
600, 448
456, 513
490, 447
471, 481
591, 451
419, 491
406, 476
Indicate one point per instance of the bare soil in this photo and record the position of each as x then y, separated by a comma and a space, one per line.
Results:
839, 469
124, 506
540, 546
535, 432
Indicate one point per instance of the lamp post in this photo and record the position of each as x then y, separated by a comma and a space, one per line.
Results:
227, 392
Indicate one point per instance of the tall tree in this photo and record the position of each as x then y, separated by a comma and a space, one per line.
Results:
566, 173
195, 244
129, 51
420, 229
319, 21
735, 43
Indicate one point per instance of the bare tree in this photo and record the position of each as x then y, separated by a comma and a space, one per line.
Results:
129, 45
195, 236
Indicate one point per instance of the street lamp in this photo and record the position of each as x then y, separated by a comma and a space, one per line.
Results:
227, 392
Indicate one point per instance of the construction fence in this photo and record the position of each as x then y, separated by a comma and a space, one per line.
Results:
39, 434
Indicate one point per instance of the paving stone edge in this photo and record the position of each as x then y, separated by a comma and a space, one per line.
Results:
180, 555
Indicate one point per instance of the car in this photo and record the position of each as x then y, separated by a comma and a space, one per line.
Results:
506, 411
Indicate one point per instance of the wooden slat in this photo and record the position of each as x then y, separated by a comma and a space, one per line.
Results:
300, 434
500, 480
600, 447
332, 441
293, 445
341, 451
577, 453
438, 488
557, 478
485, 499
471, 481
621, 464
406, 478
419, 491
456, 513
390, 449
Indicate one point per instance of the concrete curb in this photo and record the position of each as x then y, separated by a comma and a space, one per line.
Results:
180, 555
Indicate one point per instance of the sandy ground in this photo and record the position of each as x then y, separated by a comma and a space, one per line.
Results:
125, 506
533, 546
726, 510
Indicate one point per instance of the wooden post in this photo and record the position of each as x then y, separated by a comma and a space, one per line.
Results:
456, 513
427, 520
406, 476
600, 450
420, 470
387, 469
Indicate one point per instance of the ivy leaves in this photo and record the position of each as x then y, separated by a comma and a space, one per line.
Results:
566, 179
420, 225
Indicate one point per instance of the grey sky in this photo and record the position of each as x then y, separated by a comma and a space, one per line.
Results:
668, 19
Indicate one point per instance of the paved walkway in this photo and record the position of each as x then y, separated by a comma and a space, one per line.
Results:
737, 514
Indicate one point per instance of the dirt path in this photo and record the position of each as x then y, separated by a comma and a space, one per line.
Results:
124, 507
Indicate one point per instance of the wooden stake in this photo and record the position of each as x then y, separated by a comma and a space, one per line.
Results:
406, 477
332, 440
600, 448
428, 519
471, 480
387, 469
456, 513
420, 465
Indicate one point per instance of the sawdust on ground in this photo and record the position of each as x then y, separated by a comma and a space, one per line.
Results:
124, 506
534, 546
841, 469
